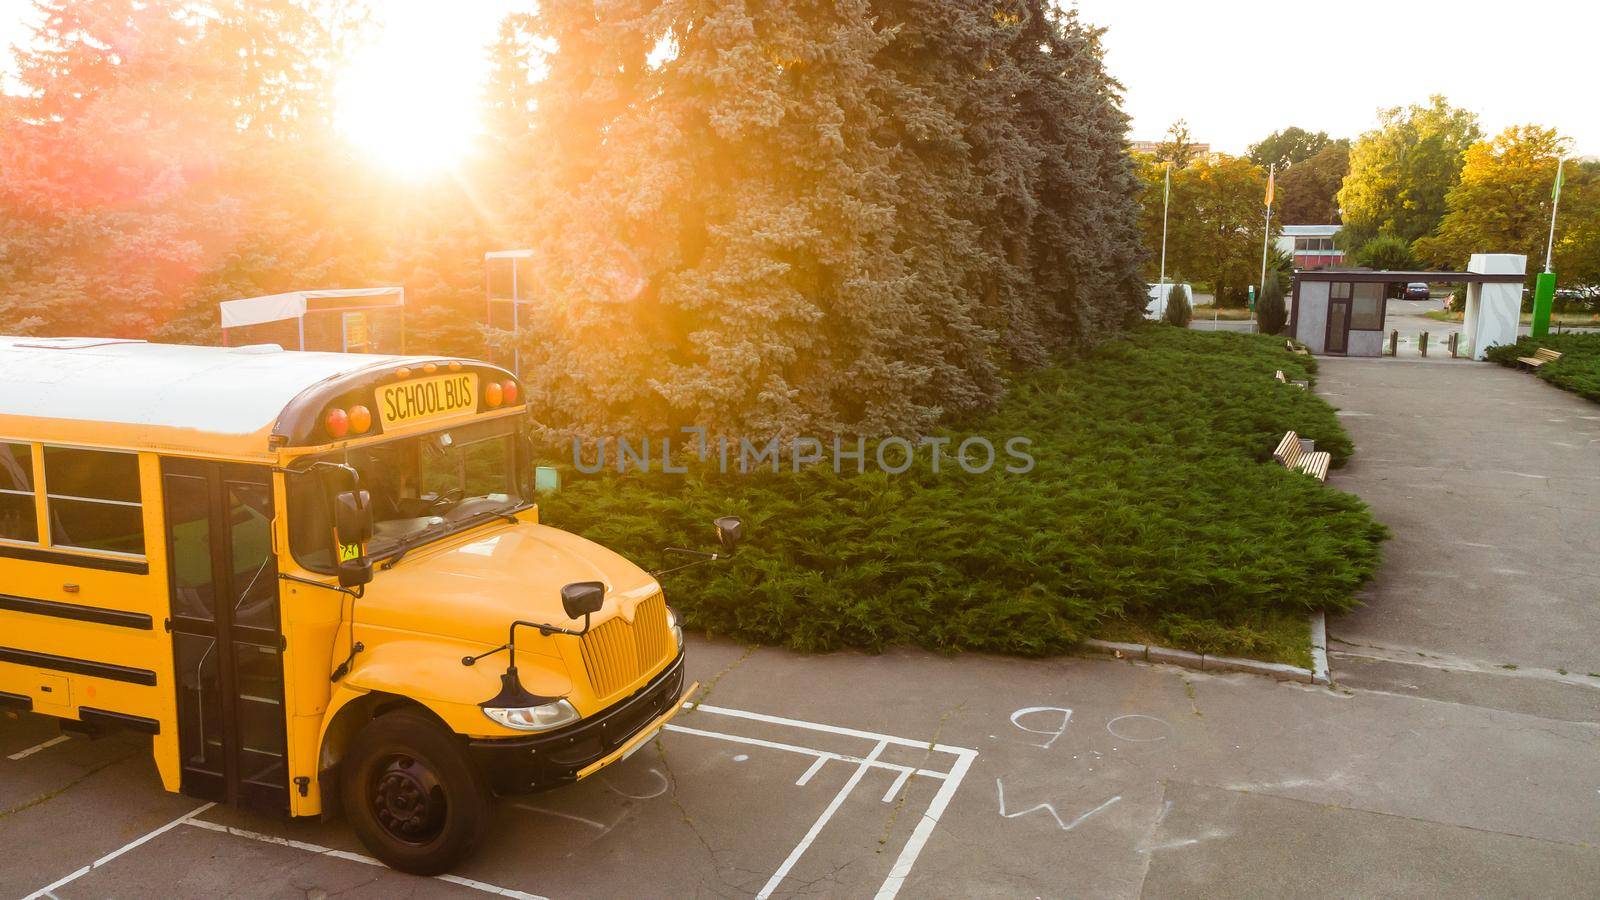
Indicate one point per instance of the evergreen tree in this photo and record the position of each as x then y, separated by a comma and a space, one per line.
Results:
1271, 312
847, 216
851, 215
1178, 311
110, 192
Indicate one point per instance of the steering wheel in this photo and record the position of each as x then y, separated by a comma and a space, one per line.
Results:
448, 498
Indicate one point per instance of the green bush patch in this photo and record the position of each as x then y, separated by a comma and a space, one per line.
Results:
1274, 635
1578, 369
1153, 499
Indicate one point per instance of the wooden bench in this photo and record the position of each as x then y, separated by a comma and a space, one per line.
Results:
1292, 347
1539, 358
1292, 455
1282, 379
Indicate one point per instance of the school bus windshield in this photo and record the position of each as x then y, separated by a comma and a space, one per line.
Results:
421, 488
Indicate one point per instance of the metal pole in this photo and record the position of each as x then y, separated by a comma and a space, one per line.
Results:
1166, 205
1544, 287
1555, 203
1266, 233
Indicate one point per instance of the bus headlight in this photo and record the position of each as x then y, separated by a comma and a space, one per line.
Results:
675, 626
535, 718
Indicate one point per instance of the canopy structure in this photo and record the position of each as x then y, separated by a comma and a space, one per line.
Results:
508, 287
354, 320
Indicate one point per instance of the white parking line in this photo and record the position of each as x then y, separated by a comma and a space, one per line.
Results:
805, 779
919, 837
899, 782
24, 754
892, 884
924, 828
822, 755
816, 827
50, 889
354, 857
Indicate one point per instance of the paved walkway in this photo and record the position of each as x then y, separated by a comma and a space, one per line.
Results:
1490, 480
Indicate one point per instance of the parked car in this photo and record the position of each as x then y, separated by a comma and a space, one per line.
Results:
1417, 290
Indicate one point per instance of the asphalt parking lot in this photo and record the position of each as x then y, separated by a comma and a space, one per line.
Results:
909, 773
1458, 752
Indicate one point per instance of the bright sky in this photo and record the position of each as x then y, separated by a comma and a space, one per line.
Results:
411, 98
1239, 69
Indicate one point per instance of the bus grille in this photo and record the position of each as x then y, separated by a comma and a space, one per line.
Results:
617, 653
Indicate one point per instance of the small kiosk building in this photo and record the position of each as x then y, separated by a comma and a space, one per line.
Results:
1341, 312
358, 320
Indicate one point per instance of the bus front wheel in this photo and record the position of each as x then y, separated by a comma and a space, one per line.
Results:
411, 794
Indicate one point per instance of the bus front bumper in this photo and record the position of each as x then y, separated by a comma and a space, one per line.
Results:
537, 762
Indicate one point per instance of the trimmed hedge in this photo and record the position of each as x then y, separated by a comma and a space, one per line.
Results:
1578, 369
1153, 498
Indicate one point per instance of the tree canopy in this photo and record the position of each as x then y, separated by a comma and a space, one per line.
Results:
1502, 203
861, 215
1401, 171
1214, 226
1308, 193
1290, 146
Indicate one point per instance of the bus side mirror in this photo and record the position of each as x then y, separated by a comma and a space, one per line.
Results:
356, 572
353, 518
730, 530
582, 598
352, 525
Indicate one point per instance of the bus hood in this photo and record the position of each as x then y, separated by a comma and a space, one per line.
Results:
474, 588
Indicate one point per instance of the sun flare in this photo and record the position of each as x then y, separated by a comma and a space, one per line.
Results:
404, 109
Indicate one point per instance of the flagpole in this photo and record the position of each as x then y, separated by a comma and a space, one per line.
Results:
1266, 234
1544, 286
1166, 204
1555, 204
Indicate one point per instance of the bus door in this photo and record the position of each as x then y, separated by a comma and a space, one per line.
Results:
227, 638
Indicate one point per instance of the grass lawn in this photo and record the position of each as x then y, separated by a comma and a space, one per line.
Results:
1207, 312
1274, 635
1578, 369
1153, 505
1574, 319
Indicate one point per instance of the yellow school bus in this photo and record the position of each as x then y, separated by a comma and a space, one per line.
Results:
318, 581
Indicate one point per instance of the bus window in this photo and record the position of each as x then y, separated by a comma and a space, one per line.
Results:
93, 500
18, 521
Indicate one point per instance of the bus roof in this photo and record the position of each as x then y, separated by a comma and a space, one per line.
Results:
108, 392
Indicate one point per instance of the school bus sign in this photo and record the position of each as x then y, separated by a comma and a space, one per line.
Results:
405, 402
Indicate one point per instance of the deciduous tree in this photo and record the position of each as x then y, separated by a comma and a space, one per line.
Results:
1290, 147
1401, 171
1215, 222
1502, 202
1308, 193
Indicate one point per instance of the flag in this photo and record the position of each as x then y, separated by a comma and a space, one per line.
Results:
1271, 174
1555, 192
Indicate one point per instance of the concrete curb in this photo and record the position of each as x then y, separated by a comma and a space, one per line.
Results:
1318, 674
1319, 648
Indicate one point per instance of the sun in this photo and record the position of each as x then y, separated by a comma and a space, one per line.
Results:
411, 112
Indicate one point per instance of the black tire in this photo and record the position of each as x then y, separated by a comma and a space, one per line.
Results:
412, 795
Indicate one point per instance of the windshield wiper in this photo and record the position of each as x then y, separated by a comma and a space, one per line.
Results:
416, 540
411, 543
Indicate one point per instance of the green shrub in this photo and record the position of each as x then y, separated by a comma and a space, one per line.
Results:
1386, 252
1178, 311
1152, 496
1272, 312
1578, 369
